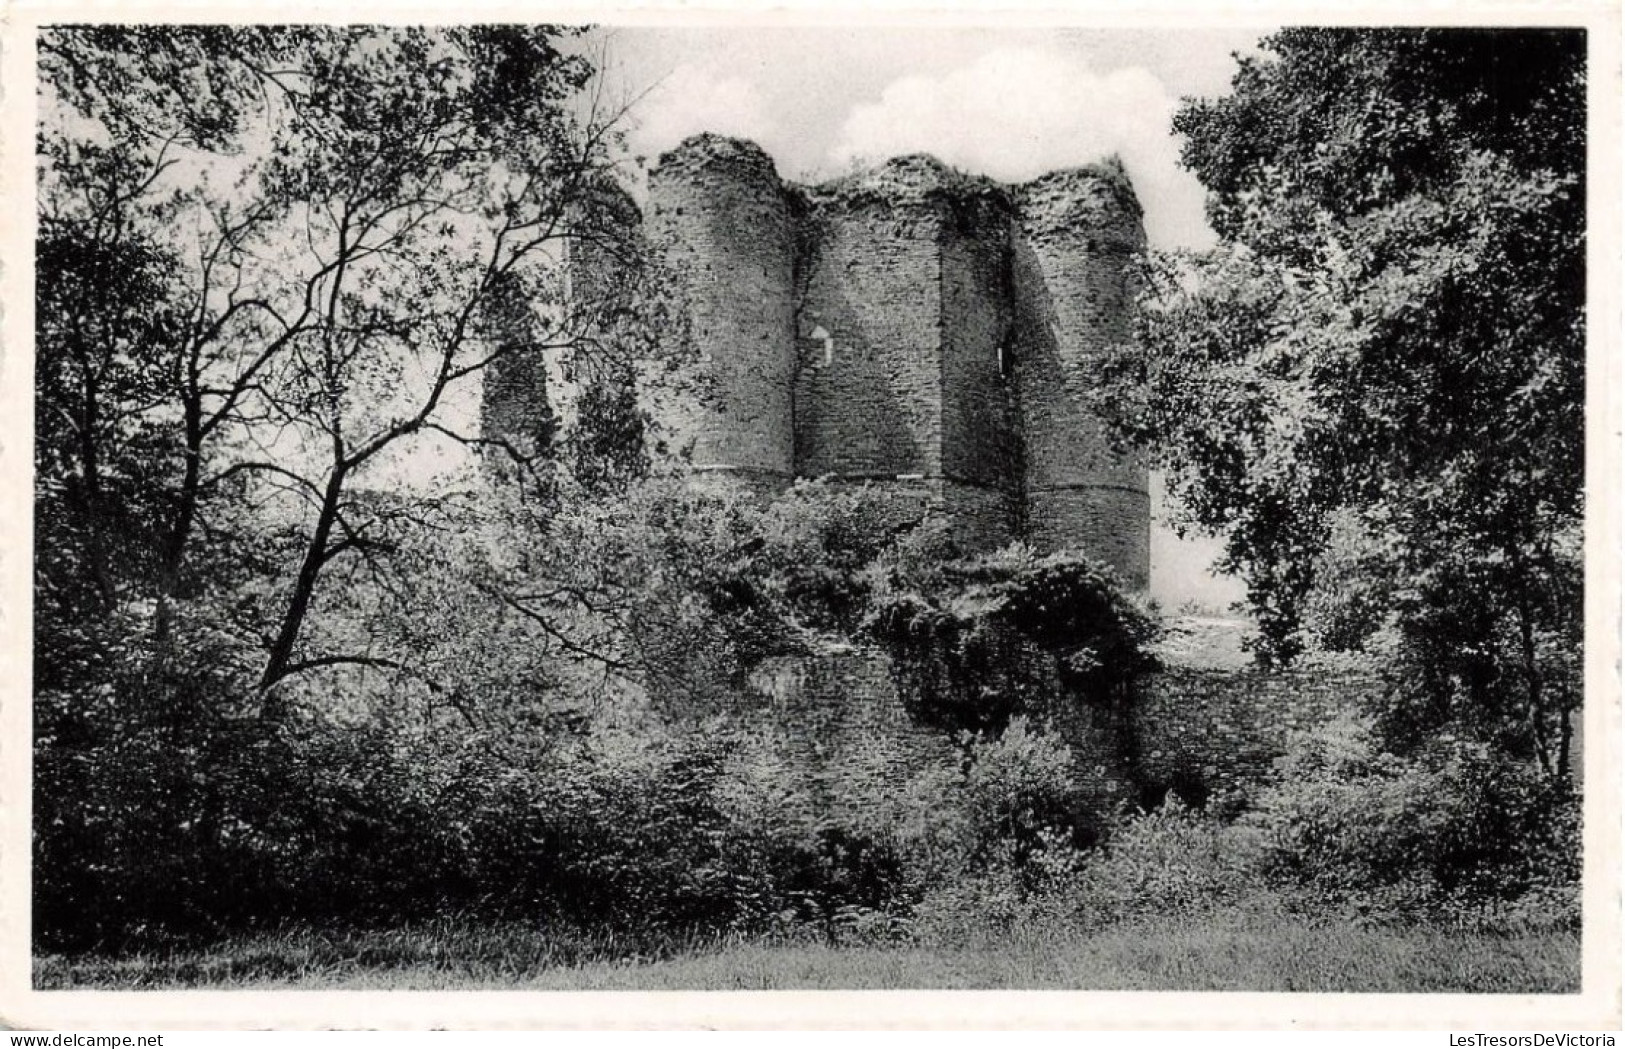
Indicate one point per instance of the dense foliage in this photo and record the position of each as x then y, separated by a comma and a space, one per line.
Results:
1373, 386
652, 835
274, 265
1348, 835
586, 762
978, 641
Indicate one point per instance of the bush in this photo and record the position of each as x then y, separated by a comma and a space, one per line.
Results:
988, 907
149, 834
1022, 796
861, 802
1171, 861
150, 831
760, 579
1456, 833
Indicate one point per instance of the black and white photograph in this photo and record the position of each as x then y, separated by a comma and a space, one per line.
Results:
773, 505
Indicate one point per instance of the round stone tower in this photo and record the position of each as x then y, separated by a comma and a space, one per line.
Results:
1078, 231
719, 212
902, 321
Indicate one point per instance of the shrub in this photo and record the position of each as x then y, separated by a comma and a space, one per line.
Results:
1456, 832
1172, 861
988, 907
652, 837
1022, 795
847, 842
193, 829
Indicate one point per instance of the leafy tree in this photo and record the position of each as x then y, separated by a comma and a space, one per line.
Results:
1373, 385
683, 591
273, 261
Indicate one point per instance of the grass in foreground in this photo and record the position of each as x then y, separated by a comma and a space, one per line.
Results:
1228, 953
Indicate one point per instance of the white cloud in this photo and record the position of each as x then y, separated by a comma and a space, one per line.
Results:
690, 100
1016, 113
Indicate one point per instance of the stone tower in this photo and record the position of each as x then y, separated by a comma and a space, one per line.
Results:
931, 334
1078, 231
719, 212
901, 317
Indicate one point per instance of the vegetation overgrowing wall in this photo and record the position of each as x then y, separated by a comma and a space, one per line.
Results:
298, 675
935, 336
1197, 732
841, 723
515, 408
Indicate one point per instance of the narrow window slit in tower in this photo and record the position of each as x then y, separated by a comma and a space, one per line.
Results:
820, 335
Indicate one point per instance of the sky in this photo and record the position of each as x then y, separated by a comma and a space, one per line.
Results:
1011, 104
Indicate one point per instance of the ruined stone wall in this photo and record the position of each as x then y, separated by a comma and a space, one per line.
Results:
1208, 722
912, 327
719, 213
1196, 732
1079, 229
514, 410
980, 517
1202, 730
933, 336
529, 396
605, 234
903, 322
840, 716
868, 395
981, 448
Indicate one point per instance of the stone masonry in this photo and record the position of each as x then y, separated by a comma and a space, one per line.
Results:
925, 332
931, 334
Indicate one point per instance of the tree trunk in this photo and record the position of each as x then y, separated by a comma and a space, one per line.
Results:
1532, 686
93, 507
316, 555
1565, 739
173, 556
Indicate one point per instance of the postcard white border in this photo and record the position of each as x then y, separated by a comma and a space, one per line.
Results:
1597, 1007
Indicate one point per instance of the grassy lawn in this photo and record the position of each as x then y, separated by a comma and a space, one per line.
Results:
1232, 953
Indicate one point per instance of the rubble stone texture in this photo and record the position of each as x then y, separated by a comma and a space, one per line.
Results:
925, 332
721, 217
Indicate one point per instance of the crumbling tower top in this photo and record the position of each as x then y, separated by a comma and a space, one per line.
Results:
745, 160
910, 326
1096, 199
720, 215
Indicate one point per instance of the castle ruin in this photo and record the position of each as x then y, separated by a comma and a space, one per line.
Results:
935, 336
928, 333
